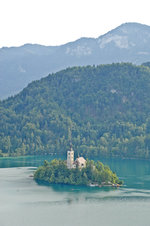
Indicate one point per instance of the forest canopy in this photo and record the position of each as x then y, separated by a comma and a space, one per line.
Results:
104, 110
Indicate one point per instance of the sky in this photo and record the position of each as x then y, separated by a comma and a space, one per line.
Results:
56, 22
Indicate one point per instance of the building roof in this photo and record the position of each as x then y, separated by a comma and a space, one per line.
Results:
71, 150
81, 160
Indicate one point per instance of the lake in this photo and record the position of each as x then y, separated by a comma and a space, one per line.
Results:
25, 203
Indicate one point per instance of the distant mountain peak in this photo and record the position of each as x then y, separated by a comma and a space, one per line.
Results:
125, 36
129, 42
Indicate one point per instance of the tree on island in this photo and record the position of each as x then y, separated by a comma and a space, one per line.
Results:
56, 172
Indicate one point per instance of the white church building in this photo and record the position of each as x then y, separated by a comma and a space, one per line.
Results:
80, 161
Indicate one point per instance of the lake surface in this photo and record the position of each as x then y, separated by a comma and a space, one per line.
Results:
24, 203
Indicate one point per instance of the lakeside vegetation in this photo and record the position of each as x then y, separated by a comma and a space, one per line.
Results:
105, 109
56, 172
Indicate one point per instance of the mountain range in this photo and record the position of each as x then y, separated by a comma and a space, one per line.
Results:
130, 42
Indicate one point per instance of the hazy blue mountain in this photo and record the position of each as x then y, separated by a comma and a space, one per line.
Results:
129, 42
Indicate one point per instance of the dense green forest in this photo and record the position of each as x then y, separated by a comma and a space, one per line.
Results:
56, 172
104, 110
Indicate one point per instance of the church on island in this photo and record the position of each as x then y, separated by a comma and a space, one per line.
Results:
79, 162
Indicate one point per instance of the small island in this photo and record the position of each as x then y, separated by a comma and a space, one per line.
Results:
78, 172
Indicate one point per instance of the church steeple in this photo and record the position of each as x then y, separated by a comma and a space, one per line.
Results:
70, 157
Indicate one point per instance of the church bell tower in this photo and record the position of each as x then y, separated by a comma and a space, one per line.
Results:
70, 158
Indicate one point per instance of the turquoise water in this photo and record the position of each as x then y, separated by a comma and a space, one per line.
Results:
135, 173
24, 203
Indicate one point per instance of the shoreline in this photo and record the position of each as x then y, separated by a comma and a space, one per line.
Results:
94, 157
104, 185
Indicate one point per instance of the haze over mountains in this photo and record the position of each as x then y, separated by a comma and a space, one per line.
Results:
129, 42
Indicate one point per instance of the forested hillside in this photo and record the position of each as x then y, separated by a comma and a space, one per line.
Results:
104, 109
